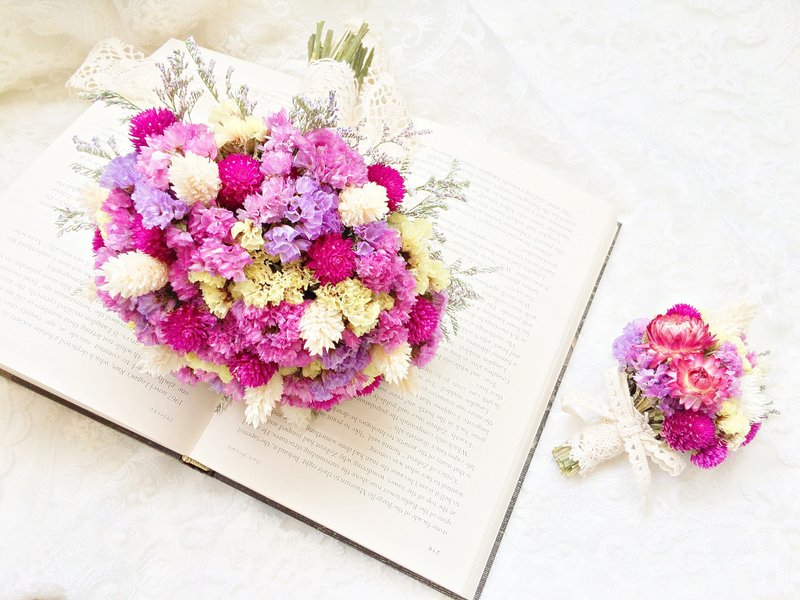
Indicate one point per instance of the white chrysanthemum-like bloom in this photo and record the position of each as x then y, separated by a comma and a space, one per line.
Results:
392, 365
298, 417
261, 401
230, 126
194, 178
729, 322
409, 385
359, 205
92, 197
159, 360
133, 274
88, 291
754, 400
321, 327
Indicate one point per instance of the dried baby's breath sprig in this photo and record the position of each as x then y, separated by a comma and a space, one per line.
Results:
401, 140
240, 95
308, 114
440, 193
175, 91
69, 220
204, 70
460, 293
95, 147
110, 98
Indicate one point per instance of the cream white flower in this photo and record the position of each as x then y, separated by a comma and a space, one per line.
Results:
194, 178
359, 205
298, 417
133, 274
321, 327
91, 198
392, 365
754, 400
261, 401
229, 126
159, 360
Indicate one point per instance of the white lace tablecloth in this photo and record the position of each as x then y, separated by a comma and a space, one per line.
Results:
684, 112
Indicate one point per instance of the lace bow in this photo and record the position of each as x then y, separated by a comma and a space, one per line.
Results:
621, 428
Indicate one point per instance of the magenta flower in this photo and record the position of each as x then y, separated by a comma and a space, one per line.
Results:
186, 329
684, 310
332, 259
250, 371
754, 428
712, 456
423, 321
152, 121
688, 430
390, 179
240, 176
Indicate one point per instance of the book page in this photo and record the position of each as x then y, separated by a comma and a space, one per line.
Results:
425, 479
51, 334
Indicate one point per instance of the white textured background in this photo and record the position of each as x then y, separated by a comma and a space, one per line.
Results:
684, 112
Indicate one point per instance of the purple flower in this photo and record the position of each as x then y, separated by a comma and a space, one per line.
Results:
380, 236
285, 241
330, 160
158, 209
655, 382
628, 346
729, 356
221, 259
269, 205
120, 172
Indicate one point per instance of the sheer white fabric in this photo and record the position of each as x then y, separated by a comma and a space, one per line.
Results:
690, 104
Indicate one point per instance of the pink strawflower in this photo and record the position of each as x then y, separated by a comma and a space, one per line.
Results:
684, 310
250, 371
332, 258
97, 240
390, 179
152, 121
688, 430
700, 381
754, 428
423, 321
674, 335
241, 176
186, 329
149, 240
712, 456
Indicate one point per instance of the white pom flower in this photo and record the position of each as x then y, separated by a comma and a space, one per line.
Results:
133, 274
261, 401
298, 417
194, 178
91, 198
392, 365
754, 400
363, 205
321, 327
159, 360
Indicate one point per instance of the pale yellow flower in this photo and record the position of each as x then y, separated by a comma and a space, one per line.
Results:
248, 235
195, 362
267, 283
231, 128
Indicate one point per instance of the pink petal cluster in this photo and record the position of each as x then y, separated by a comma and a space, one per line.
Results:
332, 259
676, 334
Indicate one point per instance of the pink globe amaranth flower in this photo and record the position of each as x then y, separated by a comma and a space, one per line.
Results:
754, 428
688, 430
240, 176
149, 240
392, 180
152, 121
97, 240
674, 335
368, 389
250, 371
422, 322
712, 456
700, 381
186, 329
332, 258
684, 310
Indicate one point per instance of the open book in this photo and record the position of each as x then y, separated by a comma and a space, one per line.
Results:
424, 481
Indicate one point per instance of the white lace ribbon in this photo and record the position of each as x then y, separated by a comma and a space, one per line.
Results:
621, 428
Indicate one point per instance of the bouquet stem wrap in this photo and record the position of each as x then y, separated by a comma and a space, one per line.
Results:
621, 428
327, 75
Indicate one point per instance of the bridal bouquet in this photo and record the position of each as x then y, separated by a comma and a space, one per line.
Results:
267, 255
687, 384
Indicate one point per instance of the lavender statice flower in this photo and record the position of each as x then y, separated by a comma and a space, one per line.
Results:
729, 356
655, 382
314, 211
157, 208
120, 172
628, 347
284, 241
